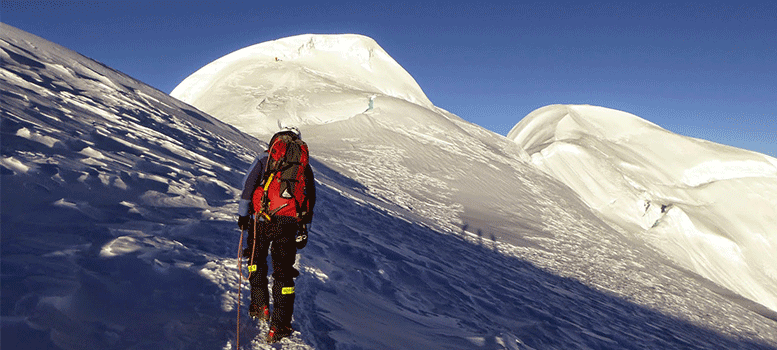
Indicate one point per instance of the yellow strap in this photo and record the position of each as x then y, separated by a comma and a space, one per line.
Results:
251, 268
266, 187
287, 290
267, 184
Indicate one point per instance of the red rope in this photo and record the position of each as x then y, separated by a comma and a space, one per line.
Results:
253, 248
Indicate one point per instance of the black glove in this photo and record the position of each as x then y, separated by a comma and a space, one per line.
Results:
244, 222
302, 236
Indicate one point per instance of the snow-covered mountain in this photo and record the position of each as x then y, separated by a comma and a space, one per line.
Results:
298, 80
118, 227
710, 208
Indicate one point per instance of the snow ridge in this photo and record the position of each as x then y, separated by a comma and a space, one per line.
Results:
709, 207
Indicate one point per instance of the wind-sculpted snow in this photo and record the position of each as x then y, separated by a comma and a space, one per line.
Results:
710, 208
116, 202
305, 79
118, 232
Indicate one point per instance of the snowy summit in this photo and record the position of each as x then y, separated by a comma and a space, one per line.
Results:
304, 79
710, 208
119, 227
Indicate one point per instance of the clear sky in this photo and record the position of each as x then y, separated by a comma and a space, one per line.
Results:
701, 69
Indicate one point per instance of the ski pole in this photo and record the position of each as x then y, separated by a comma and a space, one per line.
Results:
239, 286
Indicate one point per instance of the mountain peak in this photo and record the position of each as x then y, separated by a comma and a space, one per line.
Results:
287, 80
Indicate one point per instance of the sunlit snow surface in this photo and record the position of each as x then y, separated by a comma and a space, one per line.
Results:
118, 227
710, 208
298, 80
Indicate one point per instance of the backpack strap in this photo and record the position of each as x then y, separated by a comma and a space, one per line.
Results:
265, 200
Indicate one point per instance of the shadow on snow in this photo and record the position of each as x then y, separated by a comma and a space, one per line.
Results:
393, 284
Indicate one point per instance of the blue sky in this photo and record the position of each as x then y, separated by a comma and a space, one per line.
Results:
707, 70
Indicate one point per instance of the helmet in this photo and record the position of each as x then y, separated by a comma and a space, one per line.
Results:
291, 129
287, 130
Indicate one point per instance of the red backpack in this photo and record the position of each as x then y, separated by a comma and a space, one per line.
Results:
282, 189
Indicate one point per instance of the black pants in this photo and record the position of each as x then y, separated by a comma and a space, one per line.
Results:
279, 238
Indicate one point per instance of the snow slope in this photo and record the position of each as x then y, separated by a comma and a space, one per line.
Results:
710, 208
117, 207
118, 231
